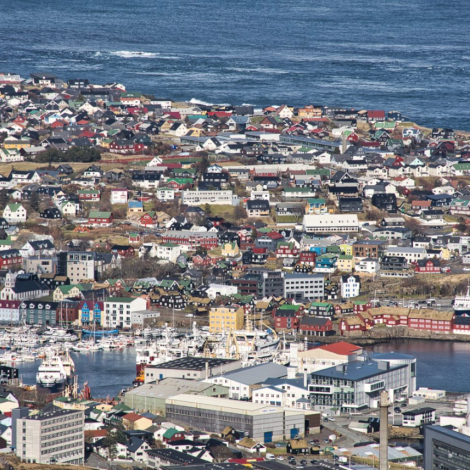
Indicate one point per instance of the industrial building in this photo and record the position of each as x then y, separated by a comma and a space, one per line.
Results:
193, 368
152, 397
445, 449
357, 385
266, 423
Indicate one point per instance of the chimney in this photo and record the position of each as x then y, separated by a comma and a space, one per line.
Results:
344, 145
207, 370
383, 452
305, 379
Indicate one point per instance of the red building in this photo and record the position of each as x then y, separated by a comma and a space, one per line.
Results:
316, 326
89, 195
287, 250
148, 220
124, 251
10, 258
435, 322
100, 219
287, 319
208, 240
428, 266
308, 257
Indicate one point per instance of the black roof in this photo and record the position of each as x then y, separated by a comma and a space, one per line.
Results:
193, 363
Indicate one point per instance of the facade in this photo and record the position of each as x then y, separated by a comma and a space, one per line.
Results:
196, 198
77, 265
118, 311
14, 213
350, 286
358, 384
445, 449
262, 422
300, 286
226, 318
419, 417
331, 223
51, 437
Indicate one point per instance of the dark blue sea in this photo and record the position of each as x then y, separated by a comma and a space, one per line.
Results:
441, 365
407, 55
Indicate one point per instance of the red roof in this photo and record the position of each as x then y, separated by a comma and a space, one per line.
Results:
274, 235
96, 433
259, 251
342, 348
421, 203
132, 417
375, 114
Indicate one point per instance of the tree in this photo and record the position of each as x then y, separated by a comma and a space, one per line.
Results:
34, 201
207, 210
239, 213
4, 199
414, 225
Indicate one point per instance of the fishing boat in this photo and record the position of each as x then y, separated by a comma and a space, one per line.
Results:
462, 304
55, 372
100, 332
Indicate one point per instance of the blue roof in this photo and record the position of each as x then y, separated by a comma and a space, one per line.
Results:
356, 370
135, 204
391, 356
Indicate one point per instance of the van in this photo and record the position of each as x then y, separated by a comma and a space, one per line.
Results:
270, 457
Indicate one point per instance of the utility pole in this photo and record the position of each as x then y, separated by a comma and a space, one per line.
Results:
383, 453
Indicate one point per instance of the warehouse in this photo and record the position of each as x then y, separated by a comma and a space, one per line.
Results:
266, 423
152, 397
194, 368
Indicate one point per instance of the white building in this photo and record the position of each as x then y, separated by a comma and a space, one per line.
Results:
289, 393
168, 251
350, 286
220, 289
367, 265
118, 196
196, 198
331, 223
165, 194
51, 437
411, 254
118, 311
14, 213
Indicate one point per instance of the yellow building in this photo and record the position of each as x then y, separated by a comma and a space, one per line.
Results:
226, 318
66, 292
315, 206
345, 263
18, 144
445, 254
230, 249
346, 249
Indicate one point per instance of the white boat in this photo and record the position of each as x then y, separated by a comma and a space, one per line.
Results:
462, 304
55, 372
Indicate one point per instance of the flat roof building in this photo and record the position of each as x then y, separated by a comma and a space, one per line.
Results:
263, 422
53, 437
193, 368
358, 384
445, 449
151, 397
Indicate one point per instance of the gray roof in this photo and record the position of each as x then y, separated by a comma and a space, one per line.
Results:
257, 374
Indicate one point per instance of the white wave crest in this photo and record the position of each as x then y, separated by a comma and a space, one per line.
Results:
135, 54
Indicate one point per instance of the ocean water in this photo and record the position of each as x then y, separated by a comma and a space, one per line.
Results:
407, 55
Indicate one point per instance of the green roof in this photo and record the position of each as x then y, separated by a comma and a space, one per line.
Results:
14, 206
169, 433
99, 215
289, 307
319, 172
320, 304
318, 200
345, 257
122, 300
88, 191
169, 245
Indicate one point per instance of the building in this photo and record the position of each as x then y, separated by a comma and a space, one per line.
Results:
100, 219
350, 286
77, 265
369, 248
299, 286
191, 368
412, 255
258, 421
419, 417
331, 223
51, 437
257, 208
118, 311
197, 198
445, 449
15, 213
358, 384
226, 318
118, 196
242, 382
151, 397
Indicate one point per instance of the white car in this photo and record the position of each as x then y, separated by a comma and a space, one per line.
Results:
331, 419
280, 457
